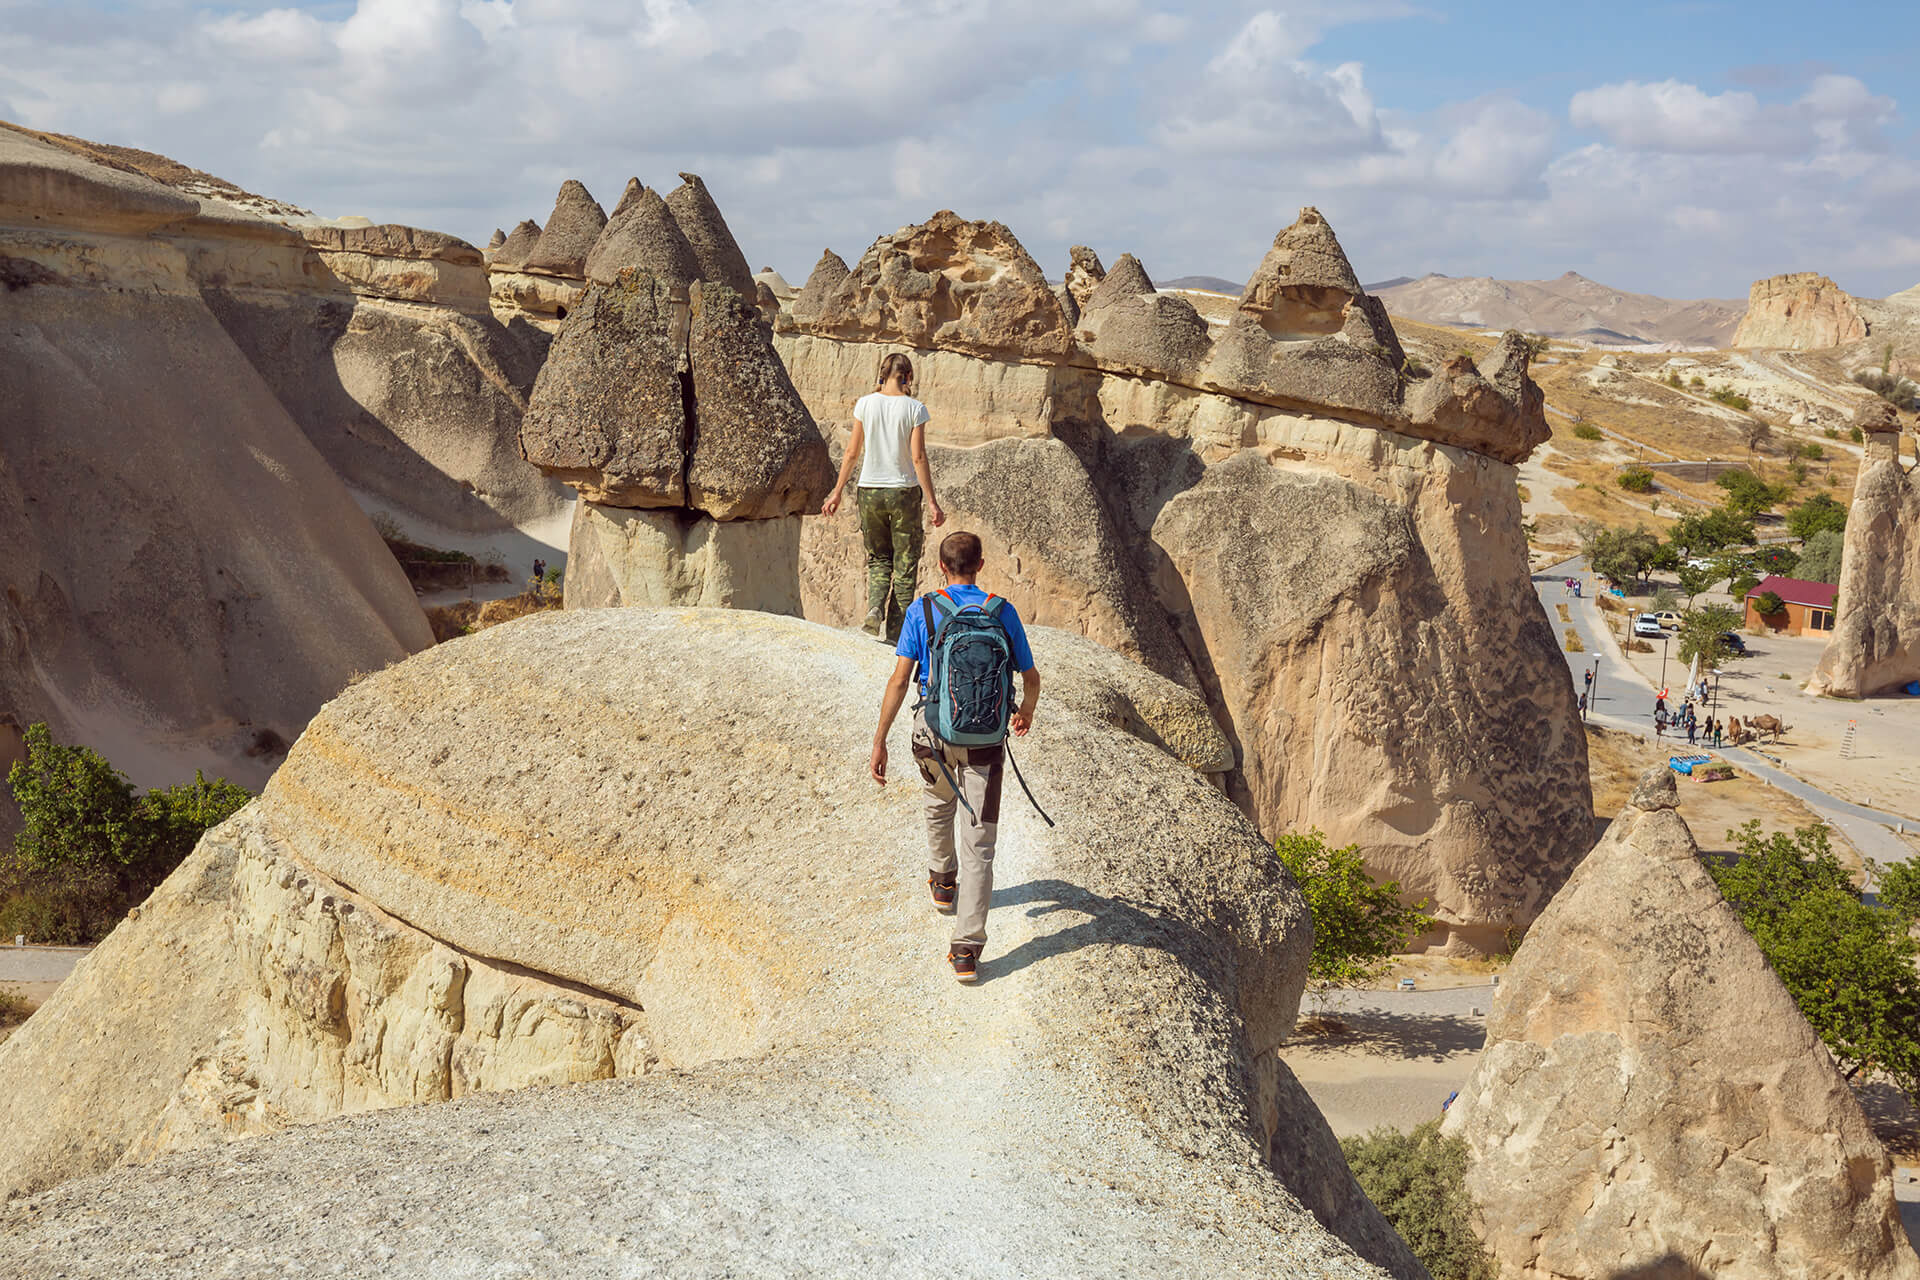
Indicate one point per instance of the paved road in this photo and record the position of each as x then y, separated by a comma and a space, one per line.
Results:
1624, 700
38, 964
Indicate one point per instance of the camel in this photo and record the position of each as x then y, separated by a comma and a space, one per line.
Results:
1736, 732
1769, 724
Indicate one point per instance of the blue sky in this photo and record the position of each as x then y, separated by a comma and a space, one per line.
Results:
1682, 149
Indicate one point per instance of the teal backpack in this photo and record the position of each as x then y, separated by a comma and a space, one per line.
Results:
969, 671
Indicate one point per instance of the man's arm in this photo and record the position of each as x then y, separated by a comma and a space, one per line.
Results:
890, 703
1029, 698
855, 443
924, 471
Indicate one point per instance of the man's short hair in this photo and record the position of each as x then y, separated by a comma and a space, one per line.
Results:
960, 553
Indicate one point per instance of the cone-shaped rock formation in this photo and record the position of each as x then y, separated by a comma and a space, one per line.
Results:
1303, 285
513, 251
826, 277
714, 249
645, 236
1128, 279
571, 231
1651, 1101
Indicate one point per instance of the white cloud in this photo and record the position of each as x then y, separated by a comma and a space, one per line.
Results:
1679, 117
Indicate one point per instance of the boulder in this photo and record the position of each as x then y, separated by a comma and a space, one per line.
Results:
608, 414
520, 242
1302, 287
644, 236
826, 277
1651, 1102
1151, 335
714, 249
948, 284
708, 883
1492, 408
1084, 274
756, 452
619, 557
1802, 310
1875, 646
573, 227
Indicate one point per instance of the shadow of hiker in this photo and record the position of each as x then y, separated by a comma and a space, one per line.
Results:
1671, 1267
1382, 1034
1109, 920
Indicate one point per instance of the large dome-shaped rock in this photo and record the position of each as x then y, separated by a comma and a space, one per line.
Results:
573, 227
705, 875
714, 249
1876, 635
608, 414
1802, 310
951, 284
1650, 1101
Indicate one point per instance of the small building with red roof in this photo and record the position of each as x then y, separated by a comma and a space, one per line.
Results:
1804, 606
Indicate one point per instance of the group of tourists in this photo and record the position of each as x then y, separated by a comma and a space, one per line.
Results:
960, 647
1572, 587
1709, 732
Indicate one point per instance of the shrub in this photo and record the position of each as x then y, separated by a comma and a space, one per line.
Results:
386, 526
1413, 369
1586, 431
1696, 382
1812, 452
1729, 397
1418, 1182
1856, 435
1831, 433
1742, 584
1636, 480
88, 848
1766, 604
1899, 392
1357, 924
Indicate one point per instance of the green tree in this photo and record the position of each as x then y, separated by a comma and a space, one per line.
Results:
1820, 558
1747, 494
1899, 888
1357, 924
1620, 555
1693, 581
1818, 514
88, 847
1767, 604
1418, 1182
1849, 966
1704, 632
1709, 531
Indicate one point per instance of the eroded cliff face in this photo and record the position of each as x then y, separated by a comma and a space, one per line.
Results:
1803, 311
186, 578
1876, 635
1266, 512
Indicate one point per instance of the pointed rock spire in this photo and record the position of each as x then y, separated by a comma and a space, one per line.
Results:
1084, 274
576, 223
1302, 287
826, 277
497, 239
644, 235
1650, 1091
714, 247
513, 251
1128, 279
627, 197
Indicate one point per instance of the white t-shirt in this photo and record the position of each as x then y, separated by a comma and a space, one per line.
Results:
886, 462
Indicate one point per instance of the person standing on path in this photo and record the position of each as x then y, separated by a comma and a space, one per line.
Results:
959, 873
889, 441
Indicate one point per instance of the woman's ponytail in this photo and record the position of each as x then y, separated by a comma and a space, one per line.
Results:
899, 368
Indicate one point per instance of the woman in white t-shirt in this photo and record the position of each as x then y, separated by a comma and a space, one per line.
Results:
890, 441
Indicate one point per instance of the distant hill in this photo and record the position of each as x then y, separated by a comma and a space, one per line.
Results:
1571, 306
1211, 284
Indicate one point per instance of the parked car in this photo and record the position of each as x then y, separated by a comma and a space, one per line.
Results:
1666, 618
1701, 562
1648, 627
1734, 642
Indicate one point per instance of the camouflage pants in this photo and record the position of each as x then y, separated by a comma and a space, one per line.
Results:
891, 529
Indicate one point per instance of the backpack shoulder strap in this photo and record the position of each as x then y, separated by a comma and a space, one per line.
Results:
992, 605
943, 602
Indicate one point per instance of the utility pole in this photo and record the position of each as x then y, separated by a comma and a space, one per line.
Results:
1663, 661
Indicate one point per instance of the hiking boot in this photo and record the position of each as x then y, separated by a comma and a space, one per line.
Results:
944, 891
964, 960
875, 625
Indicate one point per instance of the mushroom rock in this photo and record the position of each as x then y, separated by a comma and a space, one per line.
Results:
1875, 646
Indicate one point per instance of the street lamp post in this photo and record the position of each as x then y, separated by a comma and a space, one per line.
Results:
1663, 661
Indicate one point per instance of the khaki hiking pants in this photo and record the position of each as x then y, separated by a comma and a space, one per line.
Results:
892, 530
958, 841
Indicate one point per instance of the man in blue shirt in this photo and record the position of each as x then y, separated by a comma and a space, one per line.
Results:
960, 872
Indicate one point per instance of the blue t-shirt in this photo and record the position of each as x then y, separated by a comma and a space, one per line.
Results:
913, 629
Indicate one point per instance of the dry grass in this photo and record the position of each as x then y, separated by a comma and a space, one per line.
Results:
1566, 615
468, 616
1572, 641
14, 1008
